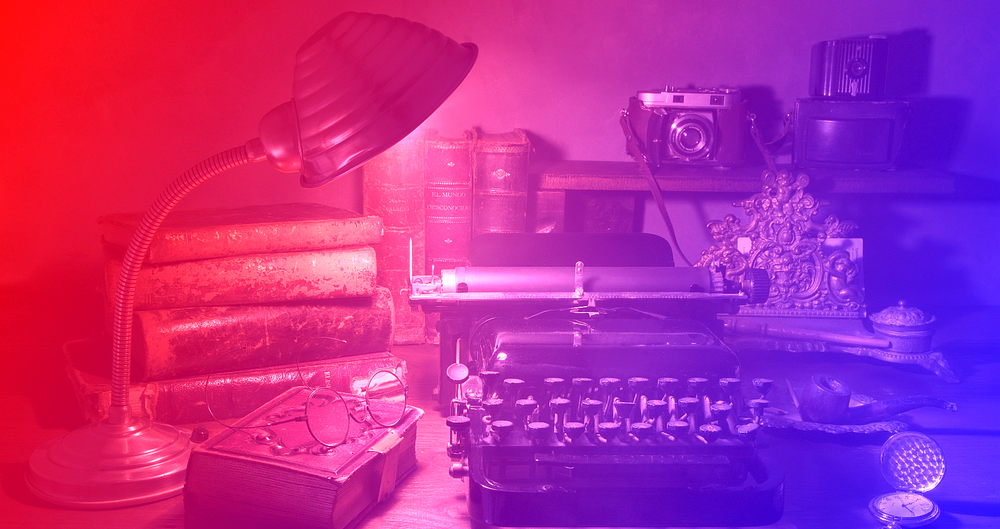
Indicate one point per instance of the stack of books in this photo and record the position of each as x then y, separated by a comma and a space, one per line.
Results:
248, 301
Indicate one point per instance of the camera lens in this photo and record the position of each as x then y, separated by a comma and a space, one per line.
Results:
857, 68
690, 138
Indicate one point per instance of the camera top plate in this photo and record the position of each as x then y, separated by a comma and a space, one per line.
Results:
691, 98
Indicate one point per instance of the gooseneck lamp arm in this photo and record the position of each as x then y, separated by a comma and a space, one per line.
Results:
120, 412
362, 83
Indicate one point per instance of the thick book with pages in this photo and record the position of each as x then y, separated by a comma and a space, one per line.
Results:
171, 343
233, 393
250, 279
240, 478
204, 234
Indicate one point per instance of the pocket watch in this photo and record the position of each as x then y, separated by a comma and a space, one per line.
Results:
912, 463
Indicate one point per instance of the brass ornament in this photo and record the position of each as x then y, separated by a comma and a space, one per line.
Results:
788, 242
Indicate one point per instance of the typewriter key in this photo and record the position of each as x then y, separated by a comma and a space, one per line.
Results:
678, 429
512, 388
747, 432
639, 386
655, 408
591, 407
493, 408
490, 379
583, 384
623, 411
689, 406
642, 431
730, 386
502, 429
554, 383
523, 408
709, 432
762, 385
609, 430
757, 407
669, 386
697, 386
573, 430
539, 432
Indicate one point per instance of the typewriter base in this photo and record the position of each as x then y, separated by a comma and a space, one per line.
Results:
548, 505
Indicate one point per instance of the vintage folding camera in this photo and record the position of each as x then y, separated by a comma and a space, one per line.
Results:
689, 126
849, 69
599, 395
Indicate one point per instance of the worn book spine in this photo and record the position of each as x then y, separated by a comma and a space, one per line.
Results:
448, 199
171, 343
206, 234
235, 483
233, 394
393, 184
252, 279
448, 202
500, 182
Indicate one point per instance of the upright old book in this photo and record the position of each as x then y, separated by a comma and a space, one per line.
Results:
500, 182
238, 479
394, 190
448, 199
206, 234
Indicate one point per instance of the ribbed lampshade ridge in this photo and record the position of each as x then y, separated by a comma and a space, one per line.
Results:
363, 82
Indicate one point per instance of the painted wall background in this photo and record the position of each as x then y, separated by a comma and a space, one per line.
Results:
104, 103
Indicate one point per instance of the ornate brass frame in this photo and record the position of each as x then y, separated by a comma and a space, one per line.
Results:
787, 242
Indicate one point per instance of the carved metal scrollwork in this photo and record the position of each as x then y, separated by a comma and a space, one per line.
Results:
787, 241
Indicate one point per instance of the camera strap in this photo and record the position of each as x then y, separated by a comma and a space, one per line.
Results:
765, 147
654, 186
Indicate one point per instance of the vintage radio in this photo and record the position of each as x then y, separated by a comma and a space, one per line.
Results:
584, 397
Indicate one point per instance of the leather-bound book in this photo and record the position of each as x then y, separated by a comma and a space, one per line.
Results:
171, 343
262, 474
393, 184
448, 201
231, 394
205, 234
500, 182
251, 279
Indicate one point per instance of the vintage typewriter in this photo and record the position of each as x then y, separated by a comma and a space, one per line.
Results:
598, 395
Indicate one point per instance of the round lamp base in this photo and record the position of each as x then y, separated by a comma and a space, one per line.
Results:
103, 465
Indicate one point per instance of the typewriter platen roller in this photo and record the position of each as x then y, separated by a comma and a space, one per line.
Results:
586, 399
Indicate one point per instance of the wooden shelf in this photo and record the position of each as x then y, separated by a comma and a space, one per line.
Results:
625, 176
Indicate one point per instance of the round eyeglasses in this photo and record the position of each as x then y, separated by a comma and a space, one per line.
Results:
320, 419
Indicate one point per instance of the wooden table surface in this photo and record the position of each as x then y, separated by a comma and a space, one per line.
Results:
828, 479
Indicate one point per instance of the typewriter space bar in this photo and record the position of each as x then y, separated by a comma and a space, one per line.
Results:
630, 459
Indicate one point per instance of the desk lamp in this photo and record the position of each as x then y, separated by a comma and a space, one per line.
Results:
361, 84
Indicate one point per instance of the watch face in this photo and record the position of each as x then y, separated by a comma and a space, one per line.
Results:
908, 509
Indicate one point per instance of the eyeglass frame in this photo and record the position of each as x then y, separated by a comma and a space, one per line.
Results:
272, 438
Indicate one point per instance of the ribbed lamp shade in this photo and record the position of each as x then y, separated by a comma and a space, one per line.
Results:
362, 83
